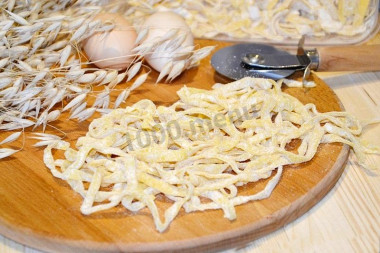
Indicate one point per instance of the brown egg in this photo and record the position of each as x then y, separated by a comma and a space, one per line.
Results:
112, 49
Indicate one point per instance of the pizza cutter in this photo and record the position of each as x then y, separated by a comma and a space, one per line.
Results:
265, 61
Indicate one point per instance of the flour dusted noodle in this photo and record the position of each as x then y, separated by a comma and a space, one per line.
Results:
198, 151
276, 20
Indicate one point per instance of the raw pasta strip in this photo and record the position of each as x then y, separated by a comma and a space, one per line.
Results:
199, 151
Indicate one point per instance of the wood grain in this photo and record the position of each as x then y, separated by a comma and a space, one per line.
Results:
349, 58
43, 212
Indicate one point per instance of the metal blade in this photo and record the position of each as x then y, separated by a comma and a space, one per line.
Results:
229, 62
274, 61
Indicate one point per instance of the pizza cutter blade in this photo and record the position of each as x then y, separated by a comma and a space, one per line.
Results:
259, 60
255, 60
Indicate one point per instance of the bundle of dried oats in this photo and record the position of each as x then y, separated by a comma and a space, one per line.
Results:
41, 67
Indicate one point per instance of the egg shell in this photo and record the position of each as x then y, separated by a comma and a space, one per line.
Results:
112, 49
159, 24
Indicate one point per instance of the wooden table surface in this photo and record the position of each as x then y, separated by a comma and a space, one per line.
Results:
348, 218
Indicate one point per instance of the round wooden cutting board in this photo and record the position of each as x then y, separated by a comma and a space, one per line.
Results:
41, 211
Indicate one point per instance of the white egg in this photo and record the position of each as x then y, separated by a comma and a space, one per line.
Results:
112, 49
159, 24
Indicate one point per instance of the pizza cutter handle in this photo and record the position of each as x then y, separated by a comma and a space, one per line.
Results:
349, 58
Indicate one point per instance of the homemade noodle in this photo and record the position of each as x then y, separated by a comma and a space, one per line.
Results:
198, 151
276, 20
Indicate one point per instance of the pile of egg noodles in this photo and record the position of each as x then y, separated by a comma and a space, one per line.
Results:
277, 20
198, 151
